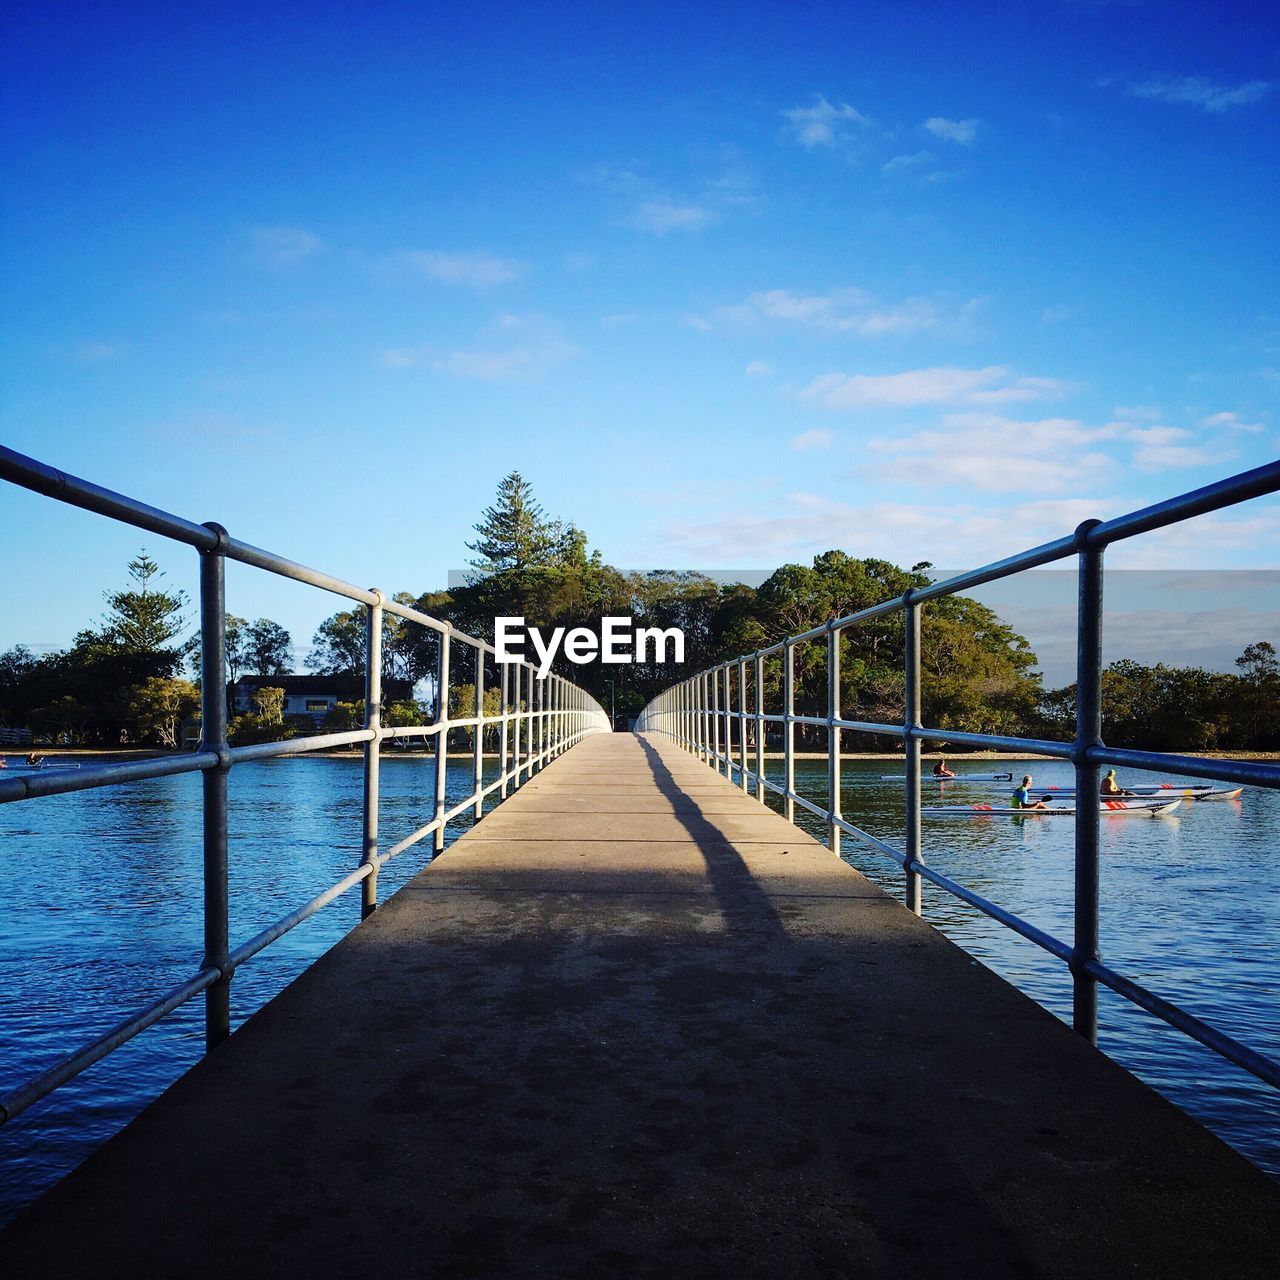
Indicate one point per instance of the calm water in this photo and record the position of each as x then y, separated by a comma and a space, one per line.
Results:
101, 913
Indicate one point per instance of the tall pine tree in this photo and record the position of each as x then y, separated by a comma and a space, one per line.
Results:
514, 533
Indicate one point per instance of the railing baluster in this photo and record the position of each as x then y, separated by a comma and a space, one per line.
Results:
442, 739
213, 721
911, 725
833, 738
478, 733
789, 726
1088, 811
760, 727
504, 712
372, 749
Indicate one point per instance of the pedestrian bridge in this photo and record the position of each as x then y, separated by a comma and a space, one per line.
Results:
636, 1022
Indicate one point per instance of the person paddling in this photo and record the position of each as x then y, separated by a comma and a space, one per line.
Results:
1021, 798
940, 770
1110, 788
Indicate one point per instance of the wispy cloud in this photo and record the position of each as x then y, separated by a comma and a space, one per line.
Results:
518, 349
474, 268
758, 369
659, 209
1198, 91
798, 525
95, 352
281, 247
821, 123
1164, 449
944, 385
907, 162
807, 441
961, 131
852, 310
988, 453
1055, 315
663, 215
1234, 422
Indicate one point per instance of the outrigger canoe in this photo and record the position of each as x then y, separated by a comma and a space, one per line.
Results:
1158, 789
1117, 808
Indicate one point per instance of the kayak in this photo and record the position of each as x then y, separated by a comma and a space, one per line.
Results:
12, 769
1145, 808
1158, 789
960, 777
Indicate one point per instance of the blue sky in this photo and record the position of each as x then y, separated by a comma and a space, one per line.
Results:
729, 284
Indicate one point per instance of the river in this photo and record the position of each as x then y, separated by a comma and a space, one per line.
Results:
100, 913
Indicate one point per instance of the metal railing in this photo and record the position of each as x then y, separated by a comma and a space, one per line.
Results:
537, 719
700, 714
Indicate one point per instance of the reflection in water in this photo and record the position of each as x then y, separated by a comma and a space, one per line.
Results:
101, 912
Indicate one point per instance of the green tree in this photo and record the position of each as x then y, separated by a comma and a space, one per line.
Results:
268, 702
338, 646
514, 533
267, 649
159, 706
144, 618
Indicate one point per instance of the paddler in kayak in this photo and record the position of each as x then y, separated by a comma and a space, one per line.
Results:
1021, 798
940, 770
1110, 788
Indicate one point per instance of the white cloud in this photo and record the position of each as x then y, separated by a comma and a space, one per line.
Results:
1055, 315
95, 352
819, 125
1201, 92
799, 525
1166, 457
696, 323
909, 161
810, 440
1233, 421
992, 454
758, 369
1137, 412
663, 215
528, 347
479, 270
962, 131
283, 246
852, 310
943, 385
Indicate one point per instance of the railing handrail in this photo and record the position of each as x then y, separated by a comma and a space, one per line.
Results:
698, 711
537, 719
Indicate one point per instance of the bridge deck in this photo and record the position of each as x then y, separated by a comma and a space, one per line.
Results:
634, 1023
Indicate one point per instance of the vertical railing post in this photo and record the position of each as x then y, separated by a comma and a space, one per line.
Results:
213, 713
728, 721
911, 746
505, 712
760, 728
478, 732
742, 723
517, 700
715, 720
536, 689
1088, 810
442, 739
833, 738
372, 748
789, 739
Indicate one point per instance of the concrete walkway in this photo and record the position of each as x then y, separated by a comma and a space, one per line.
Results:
635, 1024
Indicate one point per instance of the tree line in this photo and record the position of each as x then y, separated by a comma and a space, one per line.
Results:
121, 679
